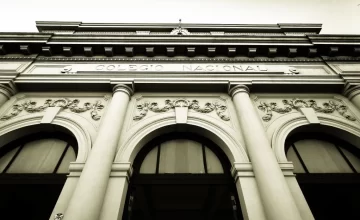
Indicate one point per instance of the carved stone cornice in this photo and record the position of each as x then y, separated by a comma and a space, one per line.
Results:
21, 57
65, 103
165, 27
341, 58
170, 59
328, 107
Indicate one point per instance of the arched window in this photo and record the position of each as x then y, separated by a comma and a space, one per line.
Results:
327, 169
33, 171
181, 156
181, 176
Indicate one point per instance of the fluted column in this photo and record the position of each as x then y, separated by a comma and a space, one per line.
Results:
277, 200
5, 94
353, 95
89, 194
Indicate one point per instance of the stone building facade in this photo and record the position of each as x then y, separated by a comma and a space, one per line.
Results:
190, 121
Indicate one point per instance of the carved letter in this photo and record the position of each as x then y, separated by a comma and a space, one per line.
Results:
249, 68
199, 68
144, 67
227, 68
209, 68
158, 67
100, 67
238, 68
110, 67
187, 67
262, 68
133, 67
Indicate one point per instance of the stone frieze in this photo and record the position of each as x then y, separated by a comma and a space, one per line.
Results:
208, 107
295, 104
65, 103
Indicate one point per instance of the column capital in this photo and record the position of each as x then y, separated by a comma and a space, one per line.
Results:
351, 92
123, 88
238, 88
7, 91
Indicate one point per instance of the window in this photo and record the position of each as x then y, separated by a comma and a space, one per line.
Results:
32, 173
327, 171
322, 156
47, 155
181, 176
181, 156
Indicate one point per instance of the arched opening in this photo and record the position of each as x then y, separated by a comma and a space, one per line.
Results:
181, 175
327, 167
33, 170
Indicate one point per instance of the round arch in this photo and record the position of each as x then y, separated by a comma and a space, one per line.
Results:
330, 125
22, 126
142, 134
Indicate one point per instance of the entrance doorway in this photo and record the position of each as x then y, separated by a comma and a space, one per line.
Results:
181, 176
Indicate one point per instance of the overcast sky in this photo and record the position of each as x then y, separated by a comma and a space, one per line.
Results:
337, 16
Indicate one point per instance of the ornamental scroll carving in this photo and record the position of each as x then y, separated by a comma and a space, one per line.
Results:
58, 216
71, 104
144, 107
295, 104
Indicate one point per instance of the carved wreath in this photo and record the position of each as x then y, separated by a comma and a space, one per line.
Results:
327, 107
30, 107
144, 107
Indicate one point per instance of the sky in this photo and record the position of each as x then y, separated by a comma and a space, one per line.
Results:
337, 16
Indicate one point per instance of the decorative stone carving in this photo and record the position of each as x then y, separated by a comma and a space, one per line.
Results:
292, 71
59, 216
67, 70
179, 30
30, 107
295, 104
144, 107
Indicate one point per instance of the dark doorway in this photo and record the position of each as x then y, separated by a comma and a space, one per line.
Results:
178, 196
33, 171
29, 196
332, 196
327, 170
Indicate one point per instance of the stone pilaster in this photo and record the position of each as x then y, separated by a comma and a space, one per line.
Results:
114, 202
88, 197
248, 193
276, 197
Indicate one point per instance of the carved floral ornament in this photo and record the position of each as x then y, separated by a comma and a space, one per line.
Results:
295, 104
144, 107
65, 103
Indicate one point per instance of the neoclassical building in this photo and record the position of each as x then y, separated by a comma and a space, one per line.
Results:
190, 121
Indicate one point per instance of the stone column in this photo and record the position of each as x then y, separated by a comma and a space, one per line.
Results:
5, 94
276, 197
89, 194
353, 95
